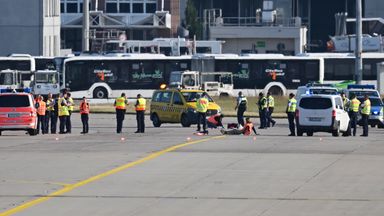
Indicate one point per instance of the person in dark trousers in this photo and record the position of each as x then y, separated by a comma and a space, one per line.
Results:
48, 114
63, 112
84, 112
262, 105
365, 112
70, 105
140, 111
270, 108
353, 112
291, 110
55, 115
241, 107
202, 107
246, 130
120, 106
41, 112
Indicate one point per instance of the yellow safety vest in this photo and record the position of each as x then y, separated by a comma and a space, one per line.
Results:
49, 106
367, 107
63, 110
70, 107
271, 101
354, 105
140, 104
120, 103
292, 105
202, 105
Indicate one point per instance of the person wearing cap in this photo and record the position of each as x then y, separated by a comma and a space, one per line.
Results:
120, 104
140, 113
291, 110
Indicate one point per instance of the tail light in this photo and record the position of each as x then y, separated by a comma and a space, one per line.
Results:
333, 113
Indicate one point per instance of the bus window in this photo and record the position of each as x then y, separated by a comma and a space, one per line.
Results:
311, 71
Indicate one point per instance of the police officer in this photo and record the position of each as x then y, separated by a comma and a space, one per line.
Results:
140, 111
262, 104
241, 107
41, 109
365, 112
345, 101
63, 112
120, 104
70, 104
291, 109
84, 112
202, 107
353, 113
49, 112
270, 108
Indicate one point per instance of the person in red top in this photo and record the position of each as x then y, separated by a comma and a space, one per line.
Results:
246, 130
215, 121
41, 109
84, 112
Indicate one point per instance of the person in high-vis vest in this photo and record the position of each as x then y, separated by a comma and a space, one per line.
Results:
262, 104
246, 130
140, 111
84, 113
202, 107
346, 101
365, 112
241, 107
63, 113
41, 109
291, 110
120, 106
270, 109
353, 112
49, 118
70, 104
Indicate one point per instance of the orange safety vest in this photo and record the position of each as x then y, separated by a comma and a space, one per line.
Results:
248, 129
84, 108
213, 120
42, 108
140, 104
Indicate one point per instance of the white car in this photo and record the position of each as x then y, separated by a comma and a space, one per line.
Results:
321, 113
315, 90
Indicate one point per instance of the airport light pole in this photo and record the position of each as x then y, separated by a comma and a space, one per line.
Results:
359, 44
85, 31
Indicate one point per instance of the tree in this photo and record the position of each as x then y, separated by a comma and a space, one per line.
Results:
192, 22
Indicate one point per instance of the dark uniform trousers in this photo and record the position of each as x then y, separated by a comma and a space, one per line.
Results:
240, 115
69, 123
54, 116
63, 123
263, 117
120, 114
201, 119
352, 122
364, 119
140, 121
41, 123
269, 117
84, 120
47, 118
291, 121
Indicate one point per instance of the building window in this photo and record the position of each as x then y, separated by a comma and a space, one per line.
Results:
150, 7
125, 7
137, 8
72, 8
111, 7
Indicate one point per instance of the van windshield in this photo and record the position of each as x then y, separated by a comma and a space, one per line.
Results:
315, 103
14, 101
192, 96
323, 91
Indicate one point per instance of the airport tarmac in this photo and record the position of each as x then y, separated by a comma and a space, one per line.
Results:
169, 171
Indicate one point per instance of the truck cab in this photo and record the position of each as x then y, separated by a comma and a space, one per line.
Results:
45, 82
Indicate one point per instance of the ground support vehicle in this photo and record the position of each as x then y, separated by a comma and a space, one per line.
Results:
321, 113
361, 91
178, 106
13, 79
17, 112
45, 82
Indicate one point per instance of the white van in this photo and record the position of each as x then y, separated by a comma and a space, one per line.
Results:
321, 113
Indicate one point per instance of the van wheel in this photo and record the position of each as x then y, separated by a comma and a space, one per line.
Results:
1, 133
100, 93
300, 132
32, 132
310, 133
373, 125
185, 121
336, 132
156, 121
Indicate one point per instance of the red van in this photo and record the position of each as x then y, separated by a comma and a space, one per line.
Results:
18, 112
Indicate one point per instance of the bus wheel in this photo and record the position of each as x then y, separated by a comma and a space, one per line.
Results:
276, 90
100, 93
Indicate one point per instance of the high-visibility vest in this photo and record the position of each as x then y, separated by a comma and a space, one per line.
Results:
292, 105
42, 108
367, 107
354, 105
63, 110
120, 103
248, 129
263, 103
140, 104
50, 105
84, 108
271, 101
70, 101
242, 102
202, 105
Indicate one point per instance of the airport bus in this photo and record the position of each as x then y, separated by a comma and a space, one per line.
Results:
21, 66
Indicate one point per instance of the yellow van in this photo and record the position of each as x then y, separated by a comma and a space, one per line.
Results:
178, 106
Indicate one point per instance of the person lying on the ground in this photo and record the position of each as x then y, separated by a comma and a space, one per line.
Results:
215, 121
246, 130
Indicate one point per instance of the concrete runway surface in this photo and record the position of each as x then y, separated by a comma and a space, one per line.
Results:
169, 171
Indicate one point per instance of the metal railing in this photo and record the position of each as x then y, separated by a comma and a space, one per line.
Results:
254, 21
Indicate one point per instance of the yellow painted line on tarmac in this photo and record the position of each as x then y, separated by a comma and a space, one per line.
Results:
71, 187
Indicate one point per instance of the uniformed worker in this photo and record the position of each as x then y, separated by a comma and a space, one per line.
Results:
202, 107
241, 107
120, 104
262, 105
140, 113
70, 104
345, 101
84, 112
41, 109
291, 109
365, 112
63, 113
353, 112
270, 109
49, 118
